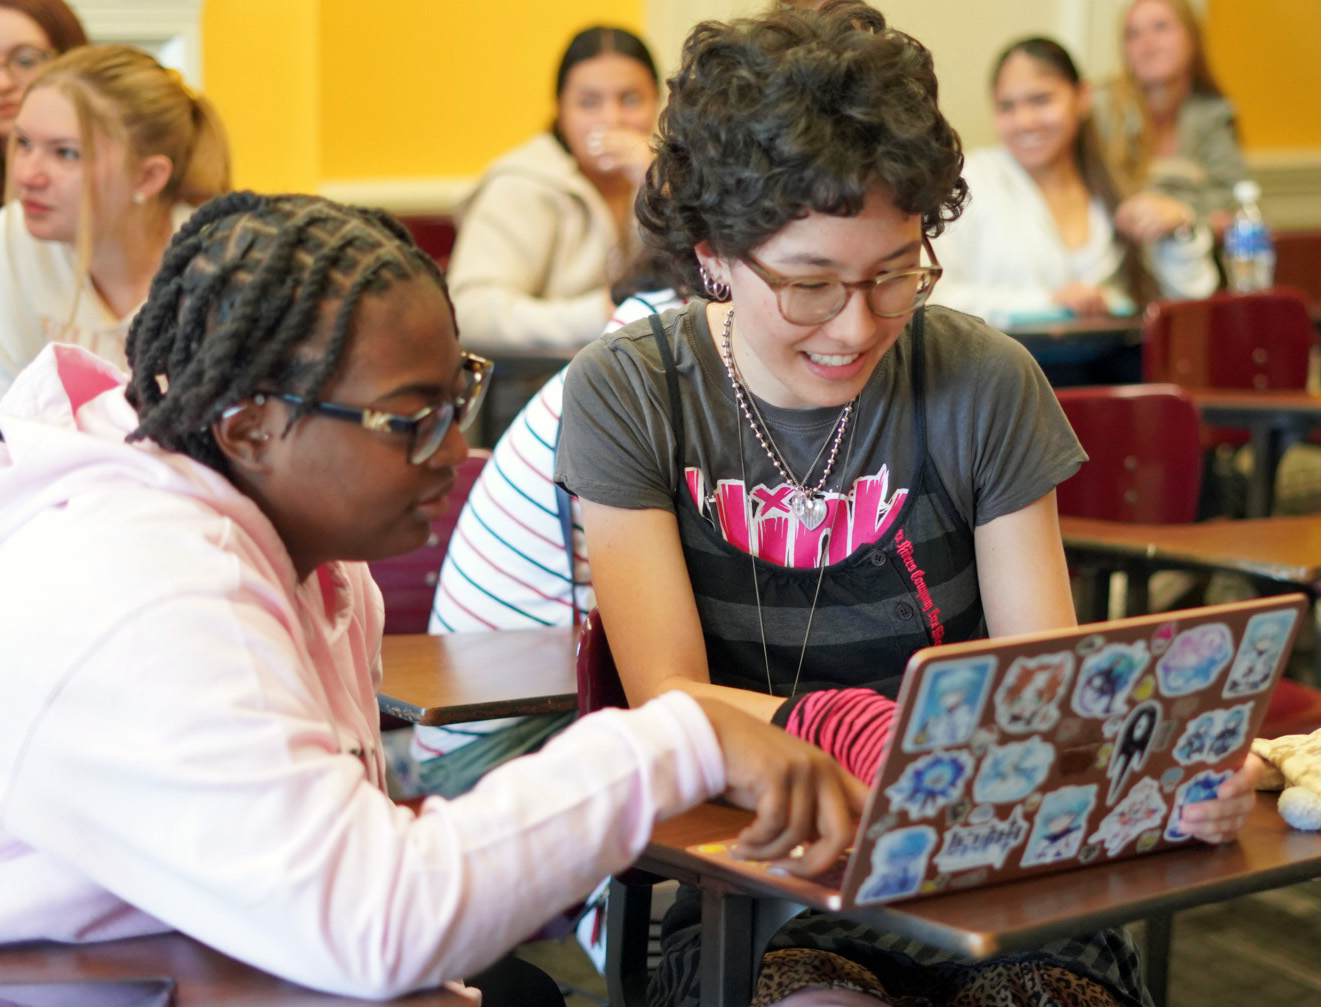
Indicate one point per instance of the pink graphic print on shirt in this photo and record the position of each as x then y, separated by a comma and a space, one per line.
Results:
760, 523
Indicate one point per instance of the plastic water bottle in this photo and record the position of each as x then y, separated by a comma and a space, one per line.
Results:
1249, 253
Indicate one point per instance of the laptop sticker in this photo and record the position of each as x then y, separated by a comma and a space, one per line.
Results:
1143, 810
949, 706
987, 844
1132, 746
1061, 821
1254, 664
1012, 771
1201, 787
1163, 637
1106, 678
899, 862
1195, 658
1210, 736
930, 783
1029, 697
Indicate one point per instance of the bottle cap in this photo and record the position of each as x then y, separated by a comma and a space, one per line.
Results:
1247, 191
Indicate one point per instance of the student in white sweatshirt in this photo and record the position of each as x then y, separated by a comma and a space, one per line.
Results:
551, 225
189, 736
1037, 240
111, 152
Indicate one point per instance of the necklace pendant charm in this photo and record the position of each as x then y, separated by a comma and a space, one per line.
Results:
809, 510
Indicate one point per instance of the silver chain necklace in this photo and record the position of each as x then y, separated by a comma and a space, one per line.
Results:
805, 504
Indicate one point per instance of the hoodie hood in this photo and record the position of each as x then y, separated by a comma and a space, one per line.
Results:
64, 423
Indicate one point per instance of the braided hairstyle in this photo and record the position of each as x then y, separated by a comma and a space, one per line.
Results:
242, 290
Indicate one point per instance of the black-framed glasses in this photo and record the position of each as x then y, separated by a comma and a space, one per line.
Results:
427, 429
23, 61
812, 300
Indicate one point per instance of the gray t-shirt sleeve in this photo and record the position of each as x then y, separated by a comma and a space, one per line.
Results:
996, 431
616, 446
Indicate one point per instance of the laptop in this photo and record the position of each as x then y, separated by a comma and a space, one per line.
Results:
1050, 751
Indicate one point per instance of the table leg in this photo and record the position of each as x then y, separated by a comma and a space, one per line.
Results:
735, 931
1157, 937
727, 967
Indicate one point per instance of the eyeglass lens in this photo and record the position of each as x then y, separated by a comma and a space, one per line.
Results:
433, 428
24, 61
895, 295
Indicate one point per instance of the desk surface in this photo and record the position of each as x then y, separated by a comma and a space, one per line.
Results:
1111, 328
1221, 405
203, 977
479, 676
1026, 913
1285, 549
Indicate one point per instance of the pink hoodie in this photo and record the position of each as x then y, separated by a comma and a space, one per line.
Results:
189, 738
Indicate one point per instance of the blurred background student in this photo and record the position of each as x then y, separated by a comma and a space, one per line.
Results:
1168, 128
1038, 240
551, 223
32, 32
109, 154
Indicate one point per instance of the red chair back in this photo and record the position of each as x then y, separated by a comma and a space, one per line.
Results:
1143, 444
1260, 340
1298, 262
434, 234
598, 679
408, 582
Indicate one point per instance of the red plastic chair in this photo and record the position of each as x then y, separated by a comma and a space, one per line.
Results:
408, 582
628, 905
1261, 340
1298, 262
434, 234
1144, 454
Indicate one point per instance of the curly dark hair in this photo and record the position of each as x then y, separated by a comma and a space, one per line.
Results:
242, 288
772, 117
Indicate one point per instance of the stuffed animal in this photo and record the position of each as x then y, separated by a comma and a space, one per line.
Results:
1294, 767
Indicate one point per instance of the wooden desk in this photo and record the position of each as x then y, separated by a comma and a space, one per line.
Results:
203, 977
479, 676
1078, 351
1282, 550
739, 916
1275, 420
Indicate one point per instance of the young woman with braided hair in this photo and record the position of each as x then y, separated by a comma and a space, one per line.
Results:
109, 155
198, 691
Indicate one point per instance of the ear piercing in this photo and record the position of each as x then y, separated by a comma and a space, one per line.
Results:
716, 289
139, 198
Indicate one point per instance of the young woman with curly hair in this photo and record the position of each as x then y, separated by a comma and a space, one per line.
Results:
791, 485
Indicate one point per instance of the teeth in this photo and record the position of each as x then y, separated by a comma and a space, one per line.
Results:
833, 359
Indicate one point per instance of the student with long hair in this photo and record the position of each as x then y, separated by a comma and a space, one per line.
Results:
189, 735
1168, 128
32, 32
551, 225
109, 155
1038, 239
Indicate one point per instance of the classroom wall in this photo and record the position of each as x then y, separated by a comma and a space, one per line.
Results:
1267, 58
317, 91
406, 106
264, 74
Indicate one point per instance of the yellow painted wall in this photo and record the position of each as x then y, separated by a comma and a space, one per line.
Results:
440, 87
318, 90
1265, 53
263, 72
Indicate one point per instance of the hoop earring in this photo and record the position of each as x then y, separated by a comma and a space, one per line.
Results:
716, 290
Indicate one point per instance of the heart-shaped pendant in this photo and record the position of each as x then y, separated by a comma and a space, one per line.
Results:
810, 511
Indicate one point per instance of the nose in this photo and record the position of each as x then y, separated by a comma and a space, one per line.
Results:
453, 449
855, 325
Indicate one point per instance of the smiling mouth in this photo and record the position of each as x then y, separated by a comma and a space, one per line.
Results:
831, 359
